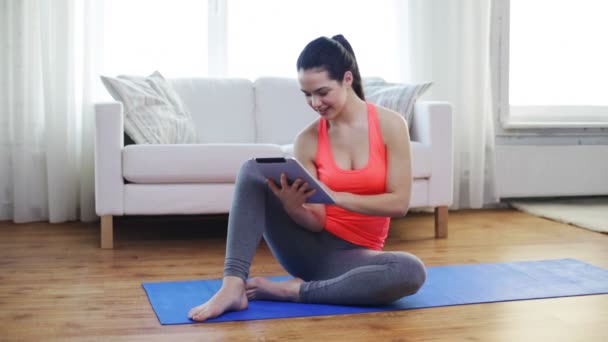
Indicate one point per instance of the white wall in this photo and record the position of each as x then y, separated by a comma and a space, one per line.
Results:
551, 170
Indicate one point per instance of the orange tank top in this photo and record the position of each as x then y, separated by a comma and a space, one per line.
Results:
363, 230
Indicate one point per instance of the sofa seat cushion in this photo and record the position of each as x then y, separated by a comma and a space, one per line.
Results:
421, 156
190, 163
288, 150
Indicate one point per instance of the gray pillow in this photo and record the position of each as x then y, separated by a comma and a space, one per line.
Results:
395, 96
154, 113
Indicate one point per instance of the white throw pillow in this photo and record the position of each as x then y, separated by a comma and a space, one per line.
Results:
395, 96
154, 113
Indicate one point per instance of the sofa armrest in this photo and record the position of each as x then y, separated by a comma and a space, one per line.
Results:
432, 125
109, 142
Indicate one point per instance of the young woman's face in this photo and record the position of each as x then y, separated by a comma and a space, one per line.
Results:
326, 96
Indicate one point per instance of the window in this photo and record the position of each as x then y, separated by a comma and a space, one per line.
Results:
265, 37
243, 38
555, 65
141, 36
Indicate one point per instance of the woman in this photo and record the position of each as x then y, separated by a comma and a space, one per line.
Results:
362, 154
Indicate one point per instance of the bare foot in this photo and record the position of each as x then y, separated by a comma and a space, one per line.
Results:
230, 297
264, 289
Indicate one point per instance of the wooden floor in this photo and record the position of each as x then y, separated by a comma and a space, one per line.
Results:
56, 284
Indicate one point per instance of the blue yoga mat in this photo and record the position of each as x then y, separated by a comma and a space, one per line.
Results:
445, 285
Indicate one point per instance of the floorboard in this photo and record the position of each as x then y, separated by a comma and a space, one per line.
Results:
57, 284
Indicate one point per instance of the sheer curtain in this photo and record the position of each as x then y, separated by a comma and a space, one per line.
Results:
46, 134
448, 42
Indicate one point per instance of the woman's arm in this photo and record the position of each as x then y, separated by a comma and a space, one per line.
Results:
308, 215
395, 202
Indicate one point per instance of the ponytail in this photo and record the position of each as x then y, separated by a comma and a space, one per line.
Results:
357, 83
334, 55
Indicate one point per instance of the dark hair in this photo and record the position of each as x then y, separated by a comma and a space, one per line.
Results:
335, 56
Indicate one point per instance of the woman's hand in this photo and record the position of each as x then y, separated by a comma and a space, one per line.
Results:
292, 196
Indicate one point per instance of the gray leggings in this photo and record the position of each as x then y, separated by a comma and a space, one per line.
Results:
334, 271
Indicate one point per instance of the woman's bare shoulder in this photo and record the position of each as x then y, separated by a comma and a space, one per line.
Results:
305, 146
391, 122
388, 115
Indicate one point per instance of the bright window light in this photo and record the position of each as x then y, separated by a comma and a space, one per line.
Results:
141, 36
558, 53
262, 38
265, 37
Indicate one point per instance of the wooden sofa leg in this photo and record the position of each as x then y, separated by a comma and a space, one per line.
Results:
107, 232
441, 222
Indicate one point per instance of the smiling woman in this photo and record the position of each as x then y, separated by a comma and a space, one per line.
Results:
333, 251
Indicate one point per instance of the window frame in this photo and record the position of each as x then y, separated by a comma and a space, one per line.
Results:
217, 34
535, 117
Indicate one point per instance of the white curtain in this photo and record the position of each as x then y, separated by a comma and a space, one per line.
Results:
448, 42
46, 131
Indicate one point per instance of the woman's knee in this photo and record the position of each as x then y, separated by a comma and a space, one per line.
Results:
247, 167
410, 271
249, 171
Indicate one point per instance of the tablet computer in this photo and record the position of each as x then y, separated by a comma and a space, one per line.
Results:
273, 168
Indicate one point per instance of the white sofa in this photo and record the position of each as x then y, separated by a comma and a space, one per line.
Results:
238, 119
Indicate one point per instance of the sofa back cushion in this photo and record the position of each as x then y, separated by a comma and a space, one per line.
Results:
281, 110
222, 108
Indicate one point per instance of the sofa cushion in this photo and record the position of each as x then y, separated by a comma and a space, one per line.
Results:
288, 150
193, 163
281, 110
154, 113
222, 108
183, 199
396, 96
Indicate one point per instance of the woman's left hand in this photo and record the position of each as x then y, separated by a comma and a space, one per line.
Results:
294, 195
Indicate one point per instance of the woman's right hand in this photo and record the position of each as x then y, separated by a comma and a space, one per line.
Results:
292, 196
